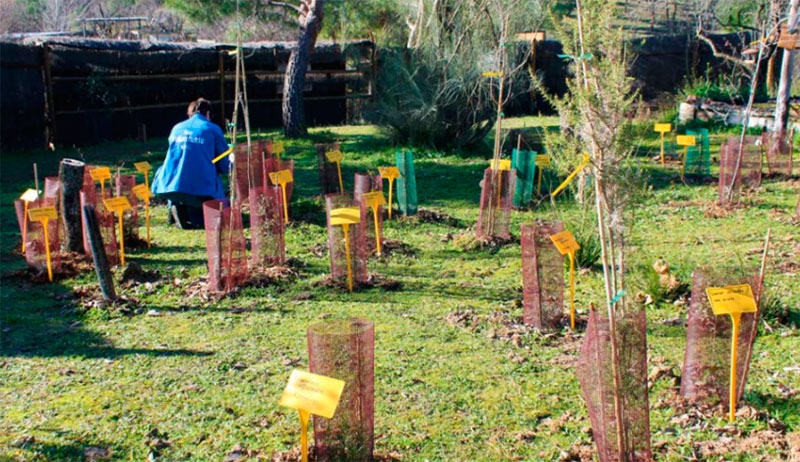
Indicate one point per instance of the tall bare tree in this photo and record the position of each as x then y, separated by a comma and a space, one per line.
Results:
309, 18
785, 82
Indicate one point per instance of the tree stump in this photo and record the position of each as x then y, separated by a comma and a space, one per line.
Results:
99, 257
70, 174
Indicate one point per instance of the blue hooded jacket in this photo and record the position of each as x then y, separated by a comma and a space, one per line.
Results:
187, 169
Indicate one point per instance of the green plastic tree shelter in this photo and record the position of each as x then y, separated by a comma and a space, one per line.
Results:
698, 158
407, 183
525, 164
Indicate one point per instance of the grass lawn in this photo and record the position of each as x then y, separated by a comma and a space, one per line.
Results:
175, 375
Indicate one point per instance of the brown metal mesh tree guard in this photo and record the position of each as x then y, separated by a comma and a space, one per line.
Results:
497, 194
35, 250
542, 276
225, 245
249, 169
328, 174
267, 239
130, 218
365, 183
345, 349
595, 370
779, 151
749, 168
336, 246
706, 363
107, 224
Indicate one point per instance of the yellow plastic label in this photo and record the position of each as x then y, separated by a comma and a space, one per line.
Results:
501, 164
334, 156
100, 173
492, 74
389, 172
345, 216
374, 198
732, 299
686, 140
143, 167
42, 214
313, 393
117, 204
565, 242
281, 176
543, 160
29, 195
277, 148
663, 128
142, 192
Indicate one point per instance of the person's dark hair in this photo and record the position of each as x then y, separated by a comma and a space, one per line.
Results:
203, 106
190, 111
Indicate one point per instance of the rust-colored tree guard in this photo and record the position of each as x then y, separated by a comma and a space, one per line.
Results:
130, 218
542, 276
779, 151
596, 375
706, 363
225, 245
345, 349
249, 169
797, 208
106, 222
328, 174
336, 246
267, 241
35, 250
365, 183
288, 164
749, 168
497, 194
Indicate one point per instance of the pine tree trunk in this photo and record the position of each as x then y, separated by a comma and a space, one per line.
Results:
294, 118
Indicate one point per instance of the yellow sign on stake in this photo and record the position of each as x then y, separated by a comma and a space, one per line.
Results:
101, 174
142, 191
567, 245
542, 160
311, 394
277, 149
282, 177
501, 164
686, 141
336, 157
144, 168
374, 200
733, 301
118, 205
44, 215
345, 217
663, 129
390, 173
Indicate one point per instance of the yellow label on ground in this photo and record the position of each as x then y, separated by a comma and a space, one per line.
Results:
345, 216
117, 204
501, 164
281, 176
29, 195
313, 393
334, 156
565, 242
389, 172
663, 128
543, 160
686, 140
100, 173
142, 192
42, 214
732, 299
374, 198
143, 167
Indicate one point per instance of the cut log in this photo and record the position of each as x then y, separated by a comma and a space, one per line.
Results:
71, 176
101, 266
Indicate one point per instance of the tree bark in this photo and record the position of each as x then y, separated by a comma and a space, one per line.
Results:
101, 266
294, 118
785, 83
71, 176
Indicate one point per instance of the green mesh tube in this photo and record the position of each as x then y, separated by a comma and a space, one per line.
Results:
525, 164
407, 183
698, 158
